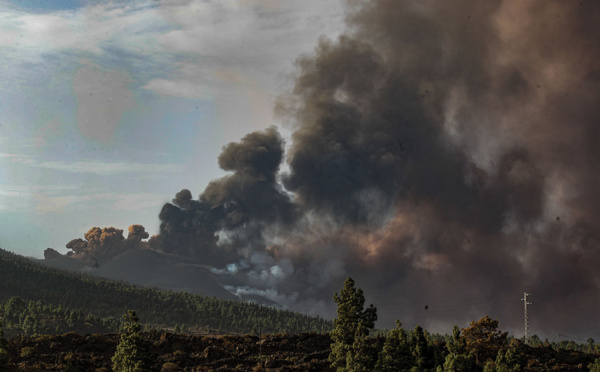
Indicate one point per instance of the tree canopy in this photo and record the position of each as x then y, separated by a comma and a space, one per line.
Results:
351, 327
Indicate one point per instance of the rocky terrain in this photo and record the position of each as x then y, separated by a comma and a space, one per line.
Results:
174, 352
218, 352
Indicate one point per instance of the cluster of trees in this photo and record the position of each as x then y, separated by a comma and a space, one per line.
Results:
34, 317
479, 347
3, 348
90, 297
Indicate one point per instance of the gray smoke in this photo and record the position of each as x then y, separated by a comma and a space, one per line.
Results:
443, 154
229, 218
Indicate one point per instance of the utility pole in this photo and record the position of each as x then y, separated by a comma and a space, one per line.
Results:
526, 303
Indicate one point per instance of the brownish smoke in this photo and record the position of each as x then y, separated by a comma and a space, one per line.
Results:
101, 245
443, 154
461, 138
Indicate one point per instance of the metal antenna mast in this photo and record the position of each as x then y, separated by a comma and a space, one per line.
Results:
526, 303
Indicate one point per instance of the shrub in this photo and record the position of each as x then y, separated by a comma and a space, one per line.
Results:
27, 352
169, 366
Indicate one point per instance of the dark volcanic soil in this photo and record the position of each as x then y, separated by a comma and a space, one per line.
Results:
181, 352
174, 352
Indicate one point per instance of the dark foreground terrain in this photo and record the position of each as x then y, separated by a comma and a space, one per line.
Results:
174, 352
180, 352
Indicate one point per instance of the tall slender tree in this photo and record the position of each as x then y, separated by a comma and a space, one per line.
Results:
352, 320
458, 358
132, 354
396, 354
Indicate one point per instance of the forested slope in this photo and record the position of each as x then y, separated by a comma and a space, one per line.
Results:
23, 278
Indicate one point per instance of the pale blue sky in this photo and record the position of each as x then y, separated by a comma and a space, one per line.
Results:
107, 109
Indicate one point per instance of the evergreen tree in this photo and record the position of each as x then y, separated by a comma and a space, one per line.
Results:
421, 351
484, 339
489, 366
361, 357
396, 354
132, 352
3, 348
458, 358
509, 360
350, 316
595, 367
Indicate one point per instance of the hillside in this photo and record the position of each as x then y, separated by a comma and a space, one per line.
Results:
22, 277
155, 269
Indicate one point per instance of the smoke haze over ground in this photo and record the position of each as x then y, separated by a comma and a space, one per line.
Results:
444, 154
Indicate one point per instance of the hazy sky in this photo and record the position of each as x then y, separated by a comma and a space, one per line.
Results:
107, 109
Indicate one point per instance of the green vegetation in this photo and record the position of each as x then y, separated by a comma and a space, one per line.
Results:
484, 339
33, 317
595, 367
349, 350
396, 354
3, 348
132, 353
77, 299
459, 358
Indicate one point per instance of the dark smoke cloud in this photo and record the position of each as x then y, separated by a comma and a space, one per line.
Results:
451, 147
231, 215
472, 126
443, 154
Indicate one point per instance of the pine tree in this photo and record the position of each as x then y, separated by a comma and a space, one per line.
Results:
509, 360
421, 351
396, 354
595, 367
3, 348
458, 358
362, 356
350, 315
132, 352
484, 339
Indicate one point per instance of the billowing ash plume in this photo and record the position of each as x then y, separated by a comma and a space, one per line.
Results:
471, 127
443, 154
101, 245
233, 212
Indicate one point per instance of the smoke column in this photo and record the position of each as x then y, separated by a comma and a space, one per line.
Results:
444, 154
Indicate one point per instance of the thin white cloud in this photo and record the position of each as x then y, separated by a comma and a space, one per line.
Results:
94, 167
117, 202
108, 168
63, 198
17, 158
88, 29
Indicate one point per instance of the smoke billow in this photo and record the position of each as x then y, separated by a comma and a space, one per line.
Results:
443, 154
101, 245
471, 127
232, 214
